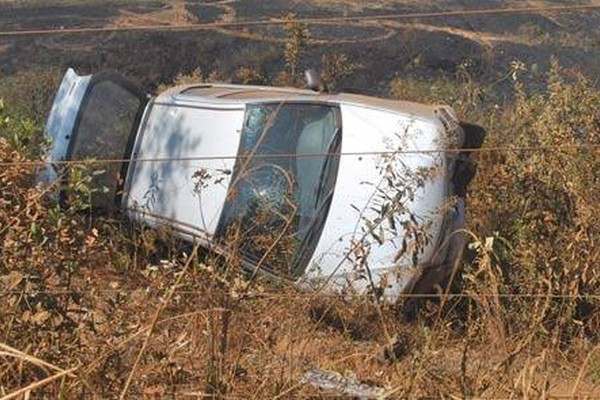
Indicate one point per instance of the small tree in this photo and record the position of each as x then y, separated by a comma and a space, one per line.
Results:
297, 40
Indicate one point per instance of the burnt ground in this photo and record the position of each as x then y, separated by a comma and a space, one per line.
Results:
422, 48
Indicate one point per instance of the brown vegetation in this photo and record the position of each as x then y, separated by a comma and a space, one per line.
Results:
95, 308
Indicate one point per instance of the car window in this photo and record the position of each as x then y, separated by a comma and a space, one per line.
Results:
282, 183
104, 131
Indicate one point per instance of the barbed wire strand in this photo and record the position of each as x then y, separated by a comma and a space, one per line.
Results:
489, 149
306, 21
309, 295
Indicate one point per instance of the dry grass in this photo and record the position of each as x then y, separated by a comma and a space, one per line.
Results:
95, 308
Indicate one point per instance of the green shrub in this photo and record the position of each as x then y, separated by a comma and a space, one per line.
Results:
25, 101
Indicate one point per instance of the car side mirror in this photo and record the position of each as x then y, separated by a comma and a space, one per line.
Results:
314, 81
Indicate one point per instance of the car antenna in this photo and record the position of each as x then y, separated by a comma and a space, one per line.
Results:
314, 81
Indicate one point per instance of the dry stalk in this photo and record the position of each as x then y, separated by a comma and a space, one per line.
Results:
582, 370
10, 351
101, 358
155, 319
27, 389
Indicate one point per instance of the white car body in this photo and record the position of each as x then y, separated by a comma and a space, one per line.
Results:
322, 155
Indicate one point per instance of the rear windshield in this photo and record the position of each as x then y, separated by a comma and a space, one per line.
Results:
283, 183
104, 132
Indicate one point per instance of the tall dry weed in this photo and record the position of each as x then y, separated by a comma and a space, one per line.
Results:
541, 199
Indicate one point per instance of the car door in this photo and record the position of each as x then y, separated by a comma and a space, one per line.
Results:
94, 119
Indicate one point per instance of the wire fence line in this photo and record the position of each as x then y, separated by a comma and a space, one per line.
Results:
490, 149
307, 21
308, 294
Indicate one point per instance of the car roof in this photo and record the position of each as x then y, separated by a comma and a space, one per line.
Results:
230, 95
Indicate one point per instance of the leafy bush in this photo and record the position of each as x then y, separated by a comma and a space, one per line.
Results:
25, 100
540, 200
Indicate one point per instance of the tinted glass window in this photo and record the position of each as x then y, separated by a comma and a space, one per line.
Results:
283, 183
103, 133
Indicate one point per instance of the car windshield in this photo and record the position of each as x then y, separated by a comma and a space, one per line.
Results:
282, 184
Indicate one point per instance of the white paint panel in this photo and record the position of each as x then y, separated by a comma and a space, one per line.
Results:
372, 130
167, 188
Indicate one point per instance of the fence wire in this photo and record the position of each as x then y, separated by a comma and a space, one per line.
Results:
490, 149
306, 295
306, 21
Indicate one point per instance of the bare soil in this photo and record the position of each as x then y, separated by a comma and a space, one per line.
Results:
386, 49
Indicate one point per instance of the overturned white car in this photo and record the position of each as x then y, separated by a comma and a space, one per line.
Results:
339, 190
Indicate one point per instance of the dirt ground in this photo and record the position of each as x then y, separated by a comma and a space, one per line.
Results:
423, 48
